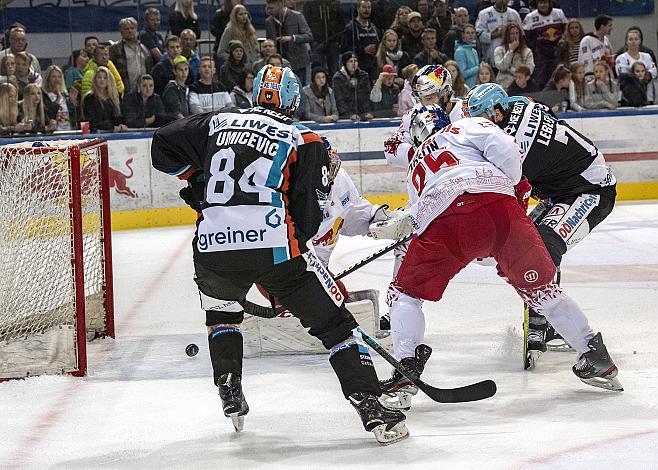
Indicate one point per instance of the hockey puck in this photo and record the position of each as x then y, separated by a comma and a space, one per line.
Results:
192, 350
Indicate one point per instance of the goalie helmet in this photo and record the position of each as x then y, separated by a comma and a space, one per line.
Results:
484, 99
334, 160
276, 87
432, 79
426, 121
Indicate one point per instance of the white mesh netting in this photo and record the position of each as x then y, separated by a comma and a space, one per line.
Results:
37, 287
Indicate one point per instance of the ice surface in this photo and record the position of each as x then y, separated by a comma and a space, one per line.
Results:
145, 404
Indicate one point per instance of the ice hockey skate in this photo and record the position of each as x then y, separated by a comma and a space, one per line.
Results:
398, 390
385, 322
554, 341
233, 402
535, 339
387, 425
596, 368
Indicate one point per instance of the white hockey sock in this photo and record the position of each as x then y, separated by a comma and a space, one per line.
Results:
565, 315
407, 325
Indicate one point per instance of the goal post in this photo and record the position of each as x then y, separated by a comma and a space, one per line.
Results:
56, 290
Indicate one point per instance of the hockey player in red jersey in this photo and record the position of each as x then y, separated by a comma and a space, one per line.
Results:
257, 177
464, 206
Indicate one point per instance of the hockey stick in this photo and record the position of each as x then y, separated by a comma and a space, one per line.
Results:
267, 312
473, 392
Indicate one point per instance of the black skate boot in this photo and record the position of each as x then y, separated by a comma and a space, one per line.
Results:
596, 368
233, 402
536, 339
385, 322
387, 425
555, 341
397, 391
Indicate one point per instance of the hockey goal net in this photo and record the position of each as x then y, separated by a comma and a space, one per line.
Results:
55, 255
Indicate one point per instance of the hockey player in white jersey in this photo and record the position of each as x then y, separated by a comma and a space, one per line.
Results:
464, 206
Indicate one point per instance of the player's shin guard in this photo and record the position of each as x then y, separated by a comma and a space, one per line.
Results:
225, 345
352, 364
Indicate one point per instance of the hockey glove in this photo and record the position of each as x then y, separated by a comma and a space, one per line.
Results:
194, 193
396, 227
522, 191
379, 214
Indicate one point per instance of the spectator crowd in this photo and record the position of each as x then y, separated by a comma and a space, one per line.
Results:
356, 68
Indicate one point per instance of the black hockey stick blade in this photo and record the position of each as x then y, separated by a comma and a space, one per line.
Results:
373, 257
260, 310
473, 392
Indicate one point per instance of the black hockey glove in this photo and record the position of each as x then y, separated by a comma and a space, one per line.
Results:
194, 193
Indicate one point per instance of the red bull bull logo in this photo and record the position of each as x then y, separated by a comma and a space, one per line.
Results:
119, 180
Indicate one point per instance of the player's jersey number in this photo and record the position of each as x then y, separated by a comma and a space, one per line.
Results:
221, 186
433, 163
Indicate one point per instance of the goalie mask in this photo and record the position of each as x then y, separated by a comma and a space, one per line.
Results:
334, 160
426, 121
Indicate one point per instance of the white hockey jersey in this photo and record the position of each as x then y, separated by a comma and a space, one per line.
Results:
345, 212
399, 149
592, 49
471, 156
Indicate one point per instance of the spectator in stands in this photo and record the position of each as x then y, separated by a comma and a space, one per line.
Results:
4, 39
8, 69
175, 94
240, 28
163, 72
491, 25
56, 101
293, 36
422, 7
150, 37
441, 21
91, 43
577, 87
77, 64
405, 98
568, 47
220, 20
384, 13
232, 72
9, 123
318, 100
510, 54
485, 74
325, 19
207, 94
18, 43
429, 54
362, 37
642, 47
31, 111
184, 17
455, 33
352, 89
633, 54
400, 23
560, 80
101, 58
601, 93
384, 93
389, 52
24, 72
466, 55
412, 40
131, 58
458, 85
241, 94
633, 87
143, 108
523, 84
267, 49
188, 50
101, 104
543, 29
596, 46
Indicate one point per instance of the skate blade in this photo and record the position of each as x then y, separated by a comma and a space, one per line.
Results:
558, 345
613, 384
381, 334
532, 358
386, 437
238, 422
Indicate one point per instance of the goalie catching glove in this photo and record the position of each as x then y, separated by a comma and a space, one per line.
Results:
397, 226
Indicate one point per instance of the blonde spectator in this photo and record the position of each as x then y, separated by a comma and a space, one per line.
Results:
513, 52
569, 44
184, 17
389, 52
8, 69
32, 112
485, 74
458, 85
101, 106
405, 98
9, 123
57, 104
24, 73
577, 87
400, 22
239, 27
601, 93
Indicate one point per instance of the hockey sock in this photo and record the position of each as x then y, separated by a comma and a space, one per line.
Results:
407, 325
352, 364
225, 344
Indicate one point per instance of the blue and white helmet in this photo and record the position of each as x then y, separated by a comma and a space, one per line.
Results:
276, 87
426, 121
484, 99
